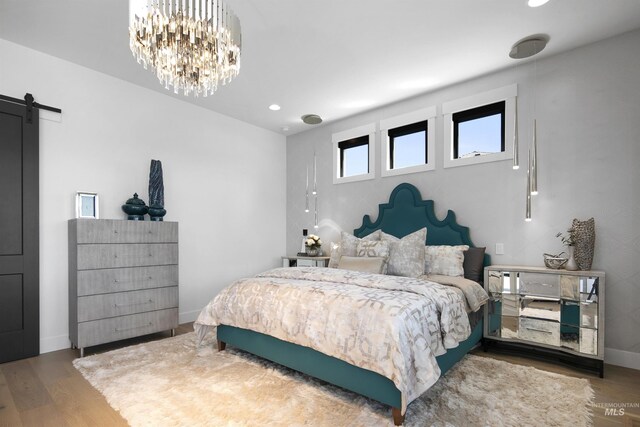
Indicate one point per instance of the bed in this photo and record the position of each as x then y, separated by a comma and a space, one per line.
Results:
405, 213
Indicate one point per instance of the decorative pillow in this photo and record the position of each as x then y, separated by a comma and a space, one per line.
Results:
406, 256
445, 260
474, 264
348, 246
374, 248
364, 264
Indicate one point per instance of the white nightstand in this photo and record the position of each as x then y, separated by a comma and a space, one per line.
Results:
305, 261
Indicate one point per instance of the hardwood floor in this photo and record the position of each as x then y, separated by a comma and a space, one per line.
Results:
48, 391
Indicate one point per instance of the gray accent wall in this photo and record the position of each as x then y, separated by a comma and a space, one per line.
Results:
588, 112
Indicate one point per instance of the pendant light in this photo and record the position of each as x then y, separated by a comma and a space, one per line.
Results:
526, 48
306, 195
527, 215
516, 148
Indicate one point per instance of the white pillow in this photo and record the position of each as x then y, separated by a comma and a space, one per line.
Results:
445, 260
364, 264
374, 248
406, 256
348, 246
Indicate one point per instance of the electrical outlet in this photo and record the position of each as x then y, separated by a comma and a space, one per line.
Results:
499, 248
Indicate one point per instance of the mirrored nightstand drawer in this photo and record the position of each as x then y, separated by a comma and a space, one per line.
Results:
540, 331
539, 284
540, 307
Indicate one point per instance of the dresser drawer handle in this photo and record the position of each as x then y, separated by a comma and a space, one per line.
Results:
133, 303
116, 281
538, 330
135, 327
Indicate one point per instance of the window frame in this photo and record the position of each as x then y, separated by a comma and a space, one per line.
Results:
422, 126
476, 104
476, 113
406, 120
358, 141
338, 154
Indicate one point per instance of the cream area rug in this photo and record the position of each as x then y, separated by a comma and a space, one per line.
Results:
172, 382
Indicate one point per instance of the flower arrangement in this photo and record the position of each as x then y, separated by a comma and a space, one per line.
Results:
568, 239
313, 242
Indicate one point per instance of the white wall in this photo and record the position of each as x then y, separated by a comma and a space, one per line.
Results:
224, 179
588, 112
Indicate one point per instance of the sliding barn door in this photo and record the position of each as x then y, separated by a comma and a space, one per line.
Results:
19, 260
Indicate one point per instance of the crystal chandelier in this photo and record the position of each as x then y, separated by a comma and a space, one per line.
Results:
192, 45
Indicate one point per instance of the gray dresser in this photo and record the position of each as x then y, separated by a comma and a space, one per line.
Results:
123, 279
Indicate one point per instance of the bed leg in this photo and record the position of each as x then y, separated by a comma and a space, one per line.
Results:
398, 418
221, 345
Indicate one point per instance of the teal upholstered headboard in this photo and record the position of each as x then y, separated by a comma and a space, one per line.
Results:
406, 212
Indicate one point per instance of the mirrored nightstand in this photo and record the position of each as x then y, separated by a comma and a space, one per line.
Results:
557, 313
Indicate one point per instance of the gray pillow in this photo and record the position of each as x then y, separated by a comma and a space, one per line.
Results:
406, 257
348, 246
474, 264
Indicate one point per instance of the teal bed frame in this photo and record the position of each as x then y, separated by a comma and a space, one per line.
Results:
405, 213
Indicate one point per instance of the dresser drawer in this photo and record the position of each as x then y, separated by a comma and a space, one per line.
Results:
96, 307
91, 282
540, 331
540, 307
118, 231
118, 328
570, 287
539, 284
589, 341
123, 255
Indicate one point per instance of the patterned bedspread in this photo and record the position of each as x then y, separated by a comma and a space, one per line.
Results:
394, 326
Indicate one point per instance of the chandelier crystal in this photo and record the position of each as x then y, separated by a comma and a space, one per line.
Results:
192, 45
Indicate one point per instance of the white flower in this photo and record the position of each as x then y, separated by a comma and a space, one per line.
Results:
310, 242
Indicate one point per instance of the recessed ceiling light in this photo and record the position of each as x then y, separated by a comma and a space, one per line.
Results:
285, 128
311, 119
536, 3
274, 107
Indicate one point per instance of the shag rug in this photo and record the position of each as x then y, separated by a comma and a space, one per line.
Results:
172, 382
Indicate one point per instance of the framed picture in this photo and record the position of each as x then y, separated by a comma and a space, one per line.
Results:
87, 205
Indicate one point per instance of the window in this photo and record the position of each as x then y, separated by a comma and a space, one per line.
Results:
408, 142
480, 128
408, 145
354, 154
478, 131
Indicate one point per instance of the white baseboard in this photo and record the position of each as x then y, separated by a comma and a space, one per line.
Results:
49, 344
627, 359
188, 316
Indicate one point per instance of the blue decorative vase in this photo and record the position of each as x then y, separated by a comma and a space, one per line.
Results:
135, 208
156, 212
156, 191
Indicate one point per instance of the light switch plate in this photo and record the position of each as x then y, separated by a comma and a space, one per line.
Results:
499, 248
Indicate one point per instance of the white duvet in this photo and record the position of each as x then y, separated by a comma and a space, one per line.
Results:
394, 326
